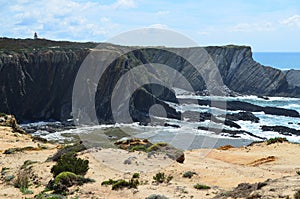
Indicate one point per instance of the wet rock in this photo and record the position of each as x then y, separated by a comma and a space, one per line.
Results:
203, 116
263, 97
231, 133
171, 125
282, 130
245, 116
248, 107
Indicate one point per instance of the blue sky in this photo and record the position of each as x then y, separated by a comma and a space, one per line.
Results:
266, 25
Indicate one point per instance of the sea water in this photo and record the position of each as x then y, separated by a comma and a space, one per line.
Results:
188, 136
280, 60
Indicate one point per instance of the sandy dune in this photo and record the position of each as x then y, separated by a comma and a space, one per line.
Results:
220, 169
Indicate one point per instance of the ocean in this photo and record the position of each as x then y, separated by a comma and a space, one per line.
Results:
188, 136
280, 60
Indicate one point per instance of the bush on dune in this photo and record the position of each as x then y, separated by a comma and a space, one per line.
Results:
69, 162
276, 140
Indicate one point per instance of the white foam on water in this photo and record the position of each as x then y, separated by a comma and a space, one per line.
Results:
158, 133
39, 124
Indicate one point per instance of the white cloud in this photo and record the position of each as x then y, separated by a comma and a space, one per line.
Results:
203, 33
158, 25
293, 21
104, 19
162, 12
252, 27
60, 19
124, 4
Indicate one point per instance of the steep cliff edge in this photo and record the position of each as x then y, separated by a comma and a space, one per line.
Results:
37, 76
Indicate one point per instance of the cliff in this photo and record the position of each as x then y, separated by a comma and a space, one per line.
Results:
37, 77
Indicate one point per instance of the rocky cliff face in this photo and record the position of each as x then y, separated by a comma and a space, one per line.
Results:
293, 78
37, 77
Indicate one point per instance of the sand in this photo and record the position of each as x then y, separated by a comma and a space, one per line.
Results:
222, 170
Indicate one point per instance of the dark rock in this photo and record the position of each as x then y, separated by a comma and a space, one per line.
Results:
292, 77
203, 116
172, 125
280, 111
245, 116
248, 107
10, 120
232, 133
181, 158
129, 160
282, 130
50, 127
263, 97
243, 190
232, 124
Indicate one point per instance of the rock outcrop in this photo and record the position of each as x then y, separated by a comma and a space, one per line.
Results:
292, 77
283, 130
37, 78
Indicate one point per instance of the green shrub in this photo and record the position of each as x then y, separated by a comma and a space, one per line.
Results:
298, 172
2, 114
9, 178
27, 163
189, 174
109, 182
136, 175
160, 178
138, 148
26, 191
156, 146
68, 150
119, 184
67, 179
276, 140
133, 183
4, 170
297, 194
49, 196
155, 196
201, 186
69, 162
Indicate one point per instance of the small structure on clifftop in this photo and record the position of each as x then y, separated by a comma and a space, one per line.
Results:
35, 36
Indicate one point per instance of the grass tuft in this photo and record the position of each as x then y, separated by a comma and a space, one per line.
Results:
201, 187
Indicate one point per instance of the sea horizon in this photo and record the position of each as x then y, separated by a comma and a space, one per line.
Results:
279, 60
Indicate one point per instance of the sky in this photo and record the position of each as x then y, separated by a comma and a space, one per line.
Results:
265, 25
